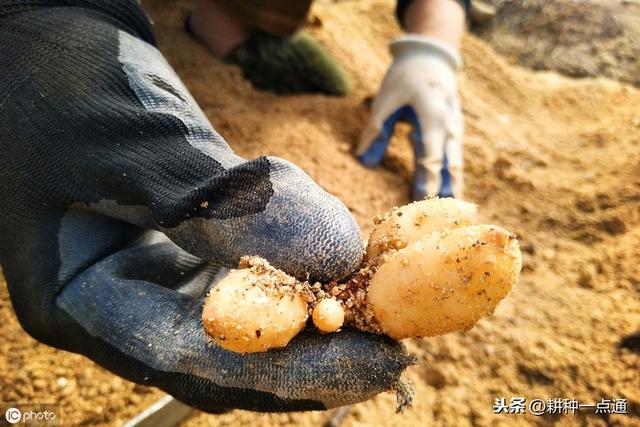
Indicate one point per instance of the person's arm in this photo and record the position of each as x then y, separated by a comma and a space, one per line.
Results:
440, 19
101, 142
420, 87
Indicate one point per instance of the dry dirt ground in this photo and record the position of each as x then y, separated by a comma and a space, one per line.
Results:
576, 37
553, 159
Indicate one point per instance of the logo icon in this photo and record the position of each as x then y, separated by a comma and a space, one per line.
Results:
13, 415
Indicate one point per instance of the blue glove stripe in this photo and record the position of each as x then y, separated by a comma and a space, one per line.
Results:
375, 153
445, 188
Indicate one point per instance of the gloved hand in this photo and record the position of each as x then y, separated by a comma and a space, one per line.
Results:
100, 143
420, 87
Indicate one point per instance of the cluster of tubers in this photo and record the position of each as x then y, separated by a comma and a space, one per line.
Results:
428, 270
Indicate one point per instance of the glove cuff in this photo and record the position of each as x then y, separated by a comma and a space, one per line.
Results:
409, 44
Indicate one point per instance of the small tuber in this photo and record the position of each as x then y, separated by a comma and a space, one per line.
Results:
328, 315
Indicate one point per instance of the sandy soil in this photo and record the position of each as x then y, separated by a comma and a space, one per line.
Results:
576, 37
552, 159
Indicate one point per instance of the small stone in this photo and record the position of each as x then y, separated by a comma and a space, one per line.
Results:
604, 201
104, 388
529, 248
504, 119
612, 226
62, 382
585, 280
435, 378
314, 21
549, 254
134, 398
585, 205
39, 384
482, 13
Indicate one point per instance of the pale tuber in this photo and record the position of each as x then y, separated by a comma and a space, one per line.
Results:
401, 226
429, 270
254, 309
328, 315
444, 282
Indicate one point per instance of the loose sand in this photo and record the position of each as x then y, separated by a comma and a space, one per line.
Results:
554, 160
575, 37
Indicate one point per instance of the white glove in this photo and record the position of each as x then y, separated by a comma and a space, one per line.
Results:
420, 87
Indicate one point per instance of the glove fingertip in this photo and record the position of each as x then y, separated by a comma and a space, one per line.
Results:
373, 153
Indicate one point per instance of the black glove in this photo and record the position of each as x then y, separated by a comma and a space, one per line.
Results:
101, 143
